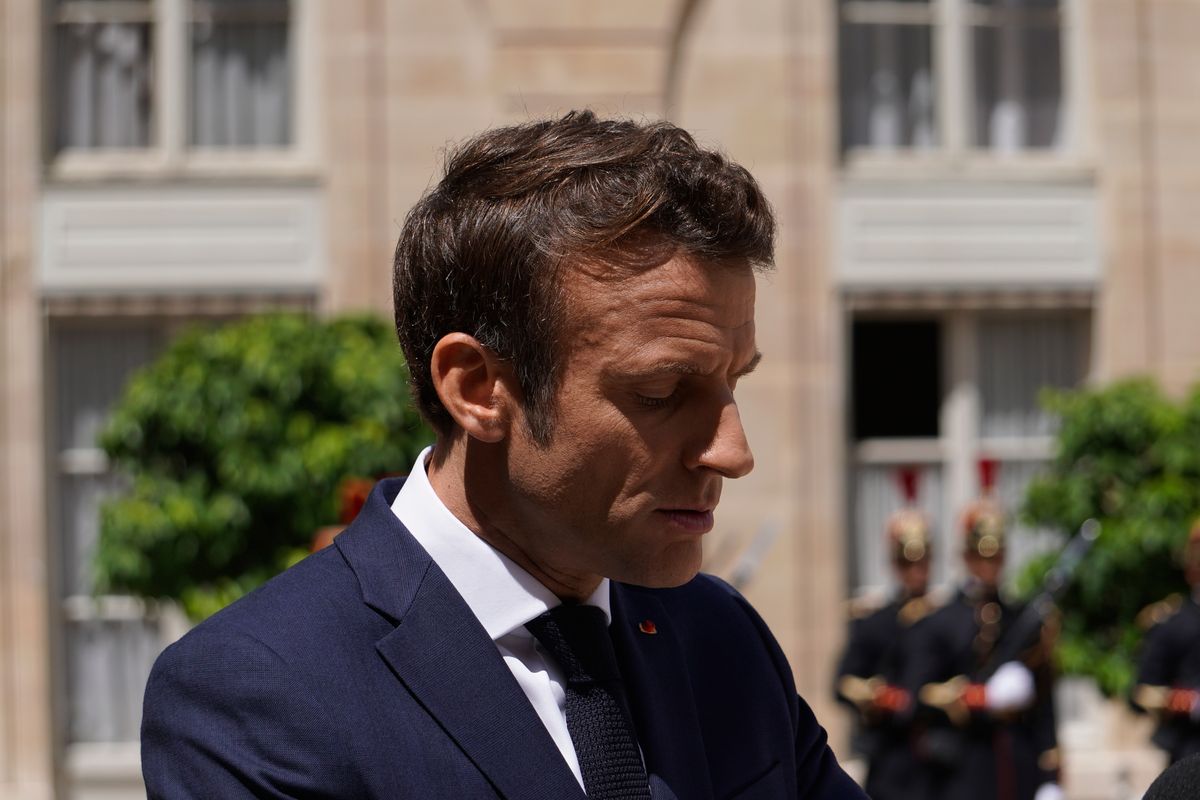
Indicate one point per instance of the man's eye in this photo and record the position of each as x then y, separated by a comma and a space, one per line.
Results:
655, 401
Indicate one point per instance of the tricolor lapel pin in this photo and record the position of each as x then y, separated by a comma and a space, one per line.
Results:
647, 626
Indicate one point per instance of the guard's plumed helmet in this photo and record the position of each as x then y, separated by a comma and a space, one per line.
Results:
983, 521
908, 528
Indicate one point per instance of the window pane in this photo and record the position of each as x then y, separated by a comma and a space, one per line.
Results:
1018, 100
241, 83
888, 97
103, 58
896, 372
876, 496
108, 662
1012, 479
91, 367
79, 500
1018, 357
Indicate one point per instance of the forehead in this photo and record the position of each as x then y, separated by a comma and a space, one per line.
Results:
681, 297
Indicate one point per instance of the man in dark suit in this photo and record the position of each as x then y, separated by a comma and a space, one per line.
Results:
871, 669
990, 731
522, 617
1168, 674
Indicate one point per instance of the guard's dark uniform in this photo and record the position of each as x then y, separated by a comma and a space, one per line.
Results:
973, 753
871, 663
1168, 676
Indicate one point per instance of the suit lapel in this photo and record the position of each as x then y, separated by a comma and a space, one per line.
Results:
451, 666
656, 676
446, 660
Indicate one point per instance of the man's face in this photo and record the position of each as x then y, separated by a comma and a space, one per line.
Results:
645, 429
986, 570
914, 576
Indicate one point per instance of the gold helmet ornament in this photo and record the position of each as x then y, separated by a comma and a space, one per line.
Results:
908, 528
983, 521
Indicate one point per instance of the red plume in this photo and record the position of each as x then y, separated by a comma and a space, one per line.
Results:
352, 496
909, 477
987, 474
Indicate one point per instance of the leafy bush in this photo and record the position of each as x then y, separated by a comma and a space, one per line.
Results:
233, 445
1130, 457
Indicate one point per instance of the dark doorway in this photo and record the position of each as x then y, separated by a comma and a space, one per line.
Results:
896, 374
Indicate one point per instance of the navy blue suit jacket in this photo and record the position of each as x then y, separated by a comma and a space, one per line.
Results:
361, 673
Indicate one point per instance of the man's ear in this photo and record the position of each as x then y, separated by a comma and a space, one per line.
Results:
473, 384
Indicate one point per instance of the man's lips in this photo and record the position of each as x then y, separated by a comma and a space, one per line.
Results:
690, 520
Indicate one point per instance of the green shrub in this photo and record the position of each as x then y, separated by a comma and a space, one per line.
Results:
232, 445
1130, 457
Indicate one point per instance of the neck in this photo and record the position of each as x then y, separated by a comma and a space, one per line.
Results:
977, 589
470, 478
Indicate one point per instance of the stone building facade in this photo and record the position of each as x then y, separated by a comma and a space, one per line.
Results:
1047, 196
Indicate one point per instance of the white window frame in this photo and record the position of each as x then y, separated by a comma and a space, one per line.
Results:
952, 69
169, 154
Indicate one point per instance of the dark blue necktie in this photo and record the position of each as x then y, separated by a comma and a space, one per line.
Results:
597, 712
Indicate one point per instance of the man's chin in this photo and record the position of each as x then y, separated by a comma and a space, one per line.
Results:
666, 575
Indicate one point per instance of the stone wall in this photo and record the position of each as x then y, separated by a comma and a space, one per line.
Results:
25, 707
401, 80
1146, 78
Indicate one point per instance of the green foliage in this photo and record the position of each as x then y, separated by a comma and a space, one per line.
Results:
233, 444
1130, 457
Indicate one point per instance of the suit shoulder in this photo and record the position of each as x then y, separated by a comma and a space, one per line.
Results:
305, 582
213, 642
714, 592
713, 583
223, 698
289, 612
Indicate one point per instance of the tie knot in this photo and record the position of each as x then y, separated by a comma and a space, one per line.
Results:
577, 638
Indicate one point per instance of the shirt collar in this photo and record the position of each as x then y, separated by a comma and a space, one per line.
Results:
501, 595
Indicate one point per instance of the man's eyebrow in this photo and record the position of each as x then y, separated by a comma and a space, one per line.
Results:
668, 368
688, 368
746, 370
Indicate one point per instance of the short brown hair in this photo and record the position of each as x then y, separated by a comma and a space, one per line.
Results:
481, 252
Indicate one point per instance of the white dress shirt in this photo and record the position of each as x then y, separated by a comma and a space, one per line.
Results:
501, 595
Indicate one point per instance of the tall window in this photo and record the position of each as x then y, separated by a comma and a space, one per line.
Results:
939, 392
173, 76
921, 75
109, 642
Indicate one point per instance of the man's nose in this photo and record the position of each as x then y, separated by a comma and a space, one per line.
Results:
728, 451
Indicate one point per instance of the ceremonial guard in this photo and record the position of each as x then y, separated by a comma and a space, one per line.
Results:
985, 697
868, 674
1168, 676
